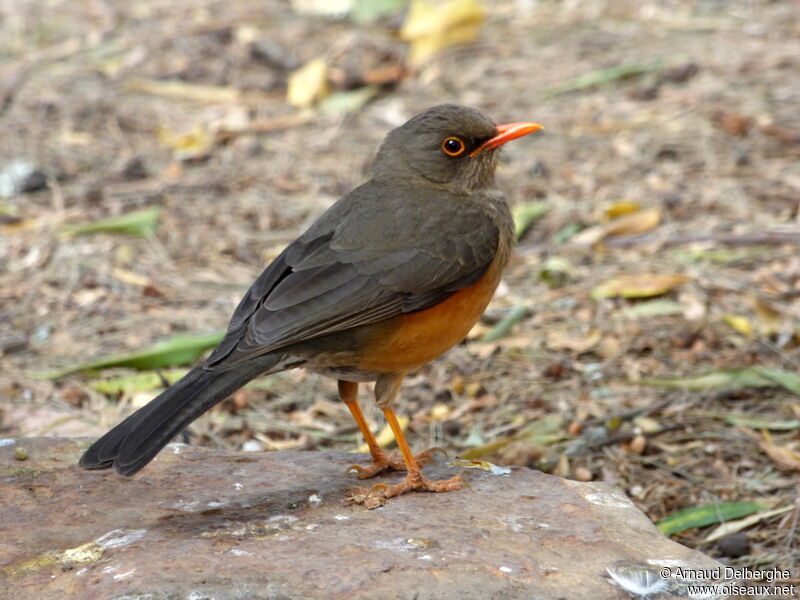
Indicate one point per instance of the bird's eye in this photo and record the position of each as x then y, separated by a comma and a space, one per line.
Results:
453, 146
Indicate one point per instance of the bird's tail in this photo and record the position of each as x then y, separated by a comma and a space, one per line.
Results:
133, 443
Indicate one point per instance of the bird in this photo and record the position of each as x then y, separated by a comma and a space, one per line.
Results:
388, 278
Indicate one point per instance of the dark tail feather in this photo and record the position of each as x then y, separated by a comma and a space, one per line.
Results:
133, 443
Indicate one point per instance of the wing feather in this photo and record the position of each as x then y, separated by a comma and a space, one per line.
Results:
339, 275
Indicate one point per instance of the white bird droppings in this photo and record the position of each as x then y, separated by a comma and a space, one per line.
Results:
124, 575
120, 537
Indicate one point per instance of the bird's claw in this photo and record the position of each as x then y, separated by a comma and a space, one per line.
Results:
393, 462
380, 493
428, 456
368, 498
355, 469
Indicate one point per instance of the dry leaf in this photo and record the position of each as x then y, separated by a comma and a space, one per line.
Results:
562, 468
326, 8
430, 28
180, 90
589, 236
739, 524
631, 224
308, 84
783, 456
769, 319
645, 285
129, 277
70, 137
562, 340
734, 123
608, 347
655, 308
494, 469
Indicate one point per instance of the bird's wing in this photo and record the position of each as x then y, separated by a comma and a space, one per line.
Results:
368, 258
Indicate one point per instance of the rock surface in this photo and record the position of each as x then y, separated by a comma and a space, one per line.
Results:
200, 524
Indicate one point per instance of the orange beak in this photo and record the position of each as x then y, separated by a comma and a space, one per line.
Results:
506, 133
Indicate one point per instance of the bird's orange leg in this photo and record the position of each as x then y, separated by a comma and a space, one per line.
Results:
414, 480
386, 389
382, 460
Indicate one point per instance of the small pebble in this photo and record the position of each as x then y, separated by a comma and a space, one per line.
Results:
20, 453
734, 545
252, 446
638, 444
583, 474
18, 177
575, 428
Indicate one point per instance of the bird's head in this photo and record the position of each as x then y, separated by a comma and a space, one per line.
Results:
451, 145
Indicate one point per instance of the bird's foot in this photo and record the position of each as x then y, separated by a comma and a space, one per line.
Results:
383, 461
380, 493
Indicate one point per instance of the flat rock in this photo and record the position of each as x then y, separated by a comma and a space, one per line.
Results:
205, 524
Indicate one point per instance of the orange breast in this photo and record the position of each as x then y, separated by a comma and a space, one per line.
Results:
416, 338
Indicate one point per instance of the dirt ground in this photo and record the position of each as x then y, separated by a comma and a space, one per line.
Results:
700, 139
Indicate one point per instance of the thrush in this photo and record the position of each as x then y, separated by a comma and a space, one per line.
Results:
387, 279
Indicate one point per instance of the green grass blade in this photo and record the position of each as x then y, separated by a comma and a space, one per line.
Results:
140, 223
136, 382
526, 215
603, 77
761, 423
700, 516
787, 379
172, 352
731, 379
504, 325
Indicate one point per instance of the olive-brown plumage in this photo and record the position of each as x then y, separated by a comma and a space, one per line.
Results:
388, 278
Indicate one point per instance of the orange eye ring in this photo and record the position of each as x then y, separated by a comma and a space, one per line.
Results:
453, 146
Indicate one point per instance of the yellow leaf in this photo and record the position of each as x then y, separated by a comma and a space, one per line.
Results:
740, 324
430, 28
637, 222
193, 145
618, 209
308, 84
645, 285
386, 437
